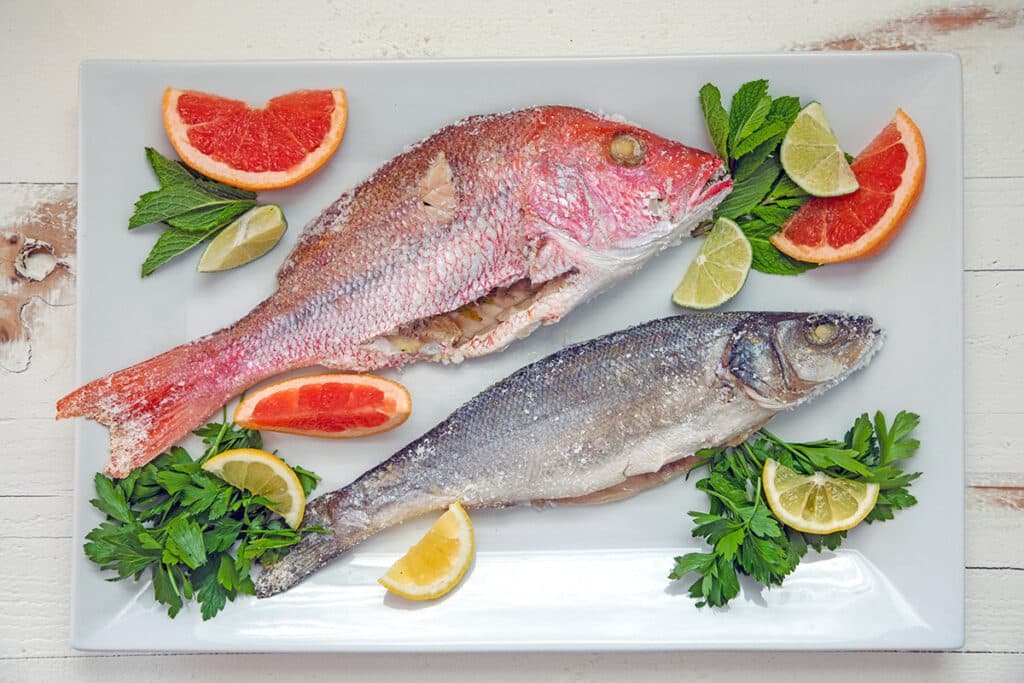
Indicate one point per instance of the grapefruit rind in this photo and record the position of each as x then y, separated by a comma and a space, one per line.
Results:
243, 416
177, 133
889, 224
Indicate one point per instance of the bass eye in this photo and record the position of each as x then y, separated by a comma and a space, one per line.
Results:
822, 333
627, 149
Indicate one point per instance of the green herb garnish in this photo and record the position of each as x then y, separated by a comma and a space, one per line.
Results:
194, 534
193, 208
763, 197
745, 536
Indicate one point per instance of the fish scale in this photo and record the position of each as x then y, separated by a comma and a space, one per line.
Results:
598, 421
535, 195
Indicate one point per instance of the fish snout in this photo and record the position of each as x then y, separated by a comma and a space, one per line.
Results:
711, 188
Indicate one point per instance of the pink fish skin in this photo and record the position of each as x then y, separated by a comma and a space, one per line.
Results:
467, 241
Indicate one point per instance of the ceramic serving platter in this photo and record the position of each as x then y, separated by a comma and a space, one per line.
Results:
568, 578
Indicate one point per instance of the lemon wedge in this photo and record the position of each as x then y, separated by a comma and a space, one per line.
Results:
263, 474
437, 563
816, 503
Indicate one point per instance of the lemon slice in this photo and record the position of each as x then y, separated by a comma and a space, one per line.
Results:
718, 271
250, 236
816, 503
812, 158
437, 562
263, 474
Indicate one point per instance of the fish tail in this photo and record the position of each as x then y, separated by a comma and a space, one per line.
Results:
380, 499
150, 406
315, 549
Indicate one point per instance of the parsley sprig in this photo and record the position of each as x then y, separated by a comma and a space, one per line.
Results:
745, 536
763, 198
193, 208
195, 535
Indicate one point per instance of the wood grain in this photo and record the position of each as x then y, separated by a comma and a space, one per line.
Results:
44, 41
853, 667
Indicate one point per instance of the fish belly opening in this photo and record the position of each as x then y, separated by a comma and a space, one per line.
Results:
443, 335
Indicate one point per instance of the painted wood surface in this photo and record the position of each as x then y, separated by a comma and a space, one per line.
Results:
44, 41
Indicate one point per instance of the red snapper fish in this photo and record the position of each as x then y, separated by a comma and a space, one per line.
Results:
467, 241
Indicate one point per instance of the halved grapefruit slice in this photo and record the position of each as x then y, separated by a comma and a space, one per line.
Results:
330, 405
890, 171
255, 149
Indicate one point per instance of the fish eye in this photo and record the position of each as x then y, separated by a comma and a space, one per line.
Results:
627, 149
821, 333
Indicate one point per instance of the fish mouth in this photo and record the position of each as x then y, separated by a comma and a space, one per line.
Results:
713, 186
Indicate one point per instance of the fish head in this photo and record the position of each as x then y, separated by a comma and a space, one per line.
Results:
783, 359
609, 186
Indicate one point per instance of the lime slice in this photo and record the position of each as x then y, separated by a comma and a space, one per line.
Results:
816, 503
812, 158
252, 235
718, 271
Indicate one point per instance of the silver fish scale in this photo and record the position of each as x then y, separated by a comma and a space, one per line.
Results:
580, 420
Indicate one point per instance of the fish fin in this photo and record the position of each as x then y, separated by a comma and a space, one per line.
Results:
638, 483
151, 405
437, 190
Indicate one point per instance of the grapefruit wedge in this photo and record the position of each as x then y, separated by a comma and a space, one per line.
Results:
330, 405
255, 149
890, 172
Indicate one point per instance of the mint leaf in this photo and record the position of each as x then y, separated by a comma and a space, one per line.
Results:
784, 109
748, 193
224, 191
773, 130
716, 118
170, 201
786, 188
767, 259
753, 159
211, 216
168, 172
172, 243
775, 215
750, 106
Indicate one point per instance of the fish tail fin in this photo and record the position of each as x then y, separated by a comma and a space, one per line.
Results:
150, 406
315, 549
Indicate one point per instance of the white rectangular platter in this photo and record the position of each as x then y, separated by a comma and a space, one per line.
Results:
568, 578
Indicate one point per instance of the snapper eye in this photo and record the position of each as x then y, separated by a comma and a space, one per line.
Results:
627, 149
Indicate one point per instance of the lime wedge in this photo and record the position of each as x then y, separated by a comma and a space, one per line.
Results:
250, 236
718, 271
812, 158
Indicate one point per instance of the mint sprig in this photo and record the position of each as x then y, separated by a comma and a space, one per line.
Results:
763, 197
193, 208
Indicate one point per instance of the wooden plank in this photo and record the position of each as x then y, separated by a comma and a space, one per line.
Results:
991, 44
995, 526
36, 576
993, 238
801, 667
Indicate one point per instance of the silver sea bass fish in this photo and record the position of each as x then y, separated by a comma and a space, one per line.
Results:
594, 422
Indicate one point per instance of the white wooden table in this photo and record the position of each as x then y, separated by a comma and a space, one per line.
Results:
40, 48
